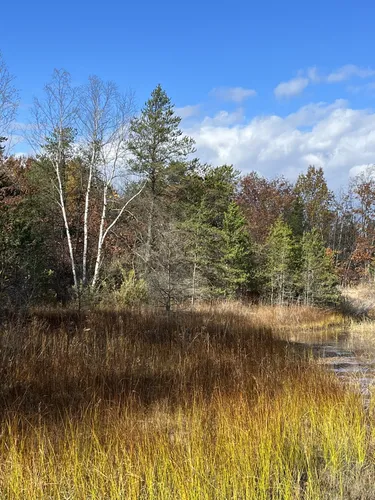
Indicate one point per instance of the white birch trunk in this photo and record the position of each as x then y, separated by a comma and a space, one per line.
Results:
104, 233
85, 223
100, 237
66, 224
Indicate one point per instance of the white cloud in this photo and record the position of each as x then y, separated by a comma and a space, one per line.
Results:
188, 111
224, 118
333, 136
365, 88
310, 114
292, 87
349, 71
297, 85
313, 75
358, 169
234, 94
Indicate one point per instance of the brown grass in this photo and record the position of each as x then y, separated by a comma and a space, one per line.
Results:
204, 404
359, 301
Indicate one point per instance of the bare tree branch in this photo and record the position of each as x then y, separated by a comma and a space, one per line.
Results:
54, 115
9, 100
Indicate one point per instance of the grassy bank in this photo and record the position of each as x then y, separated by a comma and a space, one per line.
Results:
210, 404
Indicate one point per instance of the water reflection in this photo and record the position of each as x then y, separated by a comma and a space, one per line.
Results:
350, 356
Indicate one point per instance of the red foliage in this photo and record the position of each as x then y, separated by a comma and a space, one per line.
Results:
263, 201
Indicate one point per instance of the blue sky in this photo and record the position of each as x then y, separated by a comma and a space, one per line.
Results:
267, 85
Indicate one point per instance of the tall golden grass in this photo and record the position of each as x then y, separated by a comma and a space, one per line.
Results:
203, 404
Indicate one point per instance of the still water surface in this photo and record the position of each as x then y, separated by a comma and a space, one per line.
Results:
348, 355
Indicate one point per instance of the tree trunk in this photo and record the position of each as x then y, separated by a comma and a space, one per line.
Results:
66, 224
103, 234
194, 278
100, 238
150, 235
85, 224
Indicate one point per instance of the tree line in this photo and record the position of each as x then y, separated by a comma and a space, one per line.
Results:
115, 207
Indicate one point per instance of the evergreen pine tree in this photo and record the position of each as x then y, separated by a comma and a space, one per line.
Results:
236, 251
278, 272
208, 221
318, 279
156, 144
296, 218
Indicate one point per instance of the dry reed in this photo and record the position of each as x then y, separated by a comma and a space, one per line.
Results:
204, 404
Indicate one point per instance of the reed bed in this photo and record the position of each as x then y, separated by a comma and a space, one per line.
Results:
204, 404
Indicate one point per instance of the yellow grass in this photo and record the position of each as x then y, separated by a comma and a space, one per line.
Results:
206, 404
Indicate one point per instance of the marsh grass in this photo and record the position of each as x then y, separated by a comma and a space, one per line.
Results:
204, 404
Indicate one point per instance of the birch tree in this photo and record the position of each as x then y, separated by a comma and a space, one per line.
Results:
8, 102
90, 122
104, 115
53, 121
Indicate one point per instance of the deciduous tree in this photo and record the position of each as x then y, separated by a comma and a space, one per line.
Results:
87, 126
8, 103
263, 201
317, 200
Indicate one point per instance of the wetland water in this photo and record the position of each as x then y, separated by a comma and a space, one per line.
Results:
345, 353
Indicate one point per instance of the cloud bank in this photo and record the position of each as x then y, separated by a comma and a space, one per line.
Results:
297, 85
334, 136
